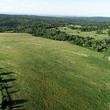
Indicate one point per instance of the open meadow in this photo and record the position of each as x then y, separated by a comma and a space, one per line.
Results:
43, 74
92, 34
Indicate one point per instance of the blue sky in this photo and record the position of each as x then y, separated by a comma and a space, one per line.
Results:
56, 7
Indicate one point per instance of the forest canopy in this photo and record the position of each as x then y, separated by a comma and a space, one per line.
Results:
48, 27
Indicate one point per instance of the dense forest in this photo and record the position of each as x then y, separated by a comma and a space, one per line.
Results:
48, 27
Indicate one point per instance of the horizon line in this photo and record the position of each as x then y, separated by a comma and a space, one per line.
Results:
51, 15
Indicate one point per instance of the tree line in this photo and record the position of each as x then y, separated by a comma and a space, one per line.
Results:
48, 27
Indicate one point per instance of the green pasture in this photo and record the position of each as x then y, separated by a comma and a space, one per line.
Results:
92, 34
45, 74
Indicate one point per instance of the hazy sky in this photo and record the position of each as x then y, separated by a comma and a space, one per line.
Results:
56, 7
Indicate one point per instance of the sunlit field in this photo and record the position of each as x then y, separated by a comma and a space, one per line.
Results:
43, 74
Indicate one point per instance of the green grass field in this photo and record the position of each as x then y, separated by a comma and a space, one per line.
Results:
43, 74
92, 34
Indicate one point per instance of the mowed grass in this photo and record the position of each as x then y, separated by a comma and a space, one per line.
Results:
92, 34
54, 75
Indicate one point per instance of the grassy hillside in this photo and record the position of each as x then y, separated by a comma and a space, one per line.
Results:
92, 34
43, 74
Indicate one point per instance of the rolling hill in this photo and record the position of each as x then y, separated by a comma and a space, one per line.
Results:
43, 74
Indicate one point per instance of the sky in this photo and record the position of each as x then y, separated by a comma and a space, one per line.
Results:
56, 7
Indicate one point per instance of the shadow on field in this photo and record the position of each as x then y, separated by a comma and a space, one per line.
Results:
7, 90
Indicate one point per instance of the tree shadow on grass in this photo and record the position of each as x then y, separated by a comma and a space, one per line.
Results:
18, 103
6, 73
7, 80
7, 102
14, 104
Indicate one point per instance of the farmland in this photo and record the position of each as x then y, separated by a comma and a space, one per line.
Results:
92, 34
44, 74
